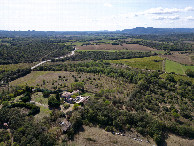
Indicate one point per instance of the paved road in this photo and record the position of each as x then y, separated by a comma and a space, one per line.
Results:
71, 54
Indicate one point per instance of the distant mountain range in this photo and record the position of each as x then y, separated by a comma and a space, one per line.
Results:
151, 30
134, 31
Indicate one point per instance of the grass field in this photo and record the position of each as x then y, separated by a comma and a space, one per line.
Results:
171, 66
75, 43
30, 79
92, 83
42, 103
93, 136
151, 63
44, 112
38, 97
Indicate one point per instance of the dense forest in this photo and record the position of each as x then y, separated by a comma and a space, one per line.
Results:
22, 50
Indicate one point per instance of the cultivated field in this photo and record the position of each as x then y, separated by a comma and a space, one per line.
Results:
151, 63
181, 58
131, 47
171, 66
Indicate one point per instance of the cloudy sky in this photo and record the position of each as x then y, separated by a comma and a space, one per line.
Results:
81, 15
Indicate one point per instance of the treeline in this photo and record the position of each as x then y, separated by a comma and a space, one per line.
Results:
106, 55
28, 50
7, 76
171, 46
167, 38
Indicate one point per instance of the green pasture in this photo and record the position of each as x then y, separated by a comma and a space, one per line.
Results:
171, 66
151, 63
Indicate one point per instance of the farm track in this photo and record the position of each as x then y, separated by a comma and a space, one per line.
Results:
68, 55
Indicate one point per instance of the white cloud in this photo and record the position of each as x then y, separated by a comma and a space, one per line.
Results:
189, 9
166, 17
108, 5
190, 18
161, 10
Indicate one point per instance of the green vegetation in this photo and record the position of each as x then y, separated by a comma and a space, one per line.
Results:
151, 63
173, 42
78, 86
28, 50
53, 102
171, 66
38, 97
4, 137
31, 79
178, 77
14, 67
107, 55
192, 58
128, 91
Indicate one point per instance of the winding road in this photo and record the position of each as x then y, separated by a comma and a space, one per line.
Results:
70, 54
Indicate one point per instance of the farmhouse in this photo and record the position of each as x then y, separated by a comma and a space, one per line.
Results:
68, 94
80, 99
68, 97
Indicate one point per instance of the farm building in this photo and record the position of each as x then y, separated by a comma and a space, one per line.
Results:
68, 94
80, 99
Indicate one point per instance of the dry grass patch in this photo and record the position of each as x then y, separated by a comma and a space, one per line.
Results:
174, 140
92, 136
62, 80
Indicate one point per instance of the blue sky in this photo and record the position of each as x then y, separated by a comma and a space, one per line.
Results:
82, 15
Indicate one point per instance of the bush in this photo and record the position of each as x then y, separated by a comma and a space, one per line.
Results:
33, 108
4, 136
53, 102
46, 93
189, 73
66, 106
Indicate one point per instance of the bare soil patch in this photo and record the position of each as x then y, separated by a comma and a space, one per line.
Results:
132, 47
180, 58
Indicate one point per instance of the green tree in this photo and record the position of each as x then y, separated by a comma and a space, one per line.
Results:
46, 93
53, 102
78, 86
26, 97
